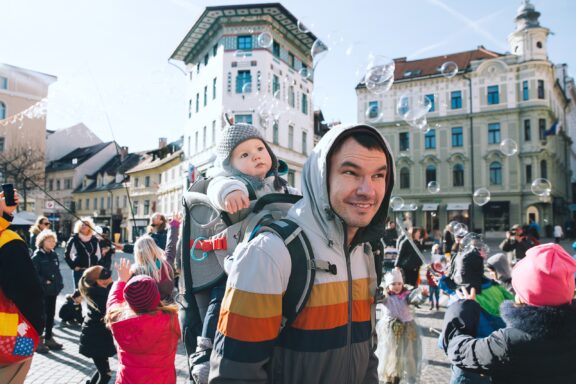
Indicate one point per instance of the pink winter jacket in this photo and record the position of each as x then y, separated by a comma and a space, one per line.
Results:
146, 344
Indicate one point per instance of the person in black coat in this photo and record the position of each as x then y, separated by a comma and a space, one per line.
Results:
71, 310
96, 340
82, 250
409, 260
516, 241
538, 344
47, 266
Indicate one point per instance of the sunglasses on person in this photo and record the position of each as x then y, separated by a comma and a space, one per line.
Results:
105, 274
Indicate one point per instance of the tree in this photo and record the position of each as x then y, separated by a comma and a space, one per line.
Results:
23, 167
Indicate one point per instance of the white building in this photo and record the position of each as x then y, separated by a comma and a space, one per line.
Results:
493, 97
236, 70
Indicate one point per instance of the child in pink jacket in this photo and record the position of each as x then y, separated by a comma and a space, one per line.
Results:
145, 329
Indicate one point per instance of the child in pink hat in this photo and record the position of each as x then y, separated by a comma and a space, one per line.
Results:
538, 344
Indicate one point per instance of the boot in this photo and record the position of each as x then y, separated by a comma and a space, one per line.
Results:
200, 360
52, 344
42, 348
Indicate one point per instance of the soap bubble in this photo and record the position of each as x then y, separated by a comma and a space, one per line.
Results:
433, 187
247, 88
508, 147
412, 106
473, 241
460, 229
373, 113
481, 196
541, 187
302, 26
413, 206
379, 74
318, 51
420, 123
305, 73
449, 69
265, 40
396, 203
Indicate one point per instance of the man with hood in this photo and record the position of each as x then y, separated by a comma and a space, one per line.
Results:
347, 182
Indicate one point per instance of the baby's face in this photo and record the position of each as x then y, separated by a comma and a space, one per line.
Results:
251, 158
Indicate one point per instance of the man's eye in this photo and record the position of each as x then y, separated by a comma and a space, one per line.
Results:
351, 173
379, 176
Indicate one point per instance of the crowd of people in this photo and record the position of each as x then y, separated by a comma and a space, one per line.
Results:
509, 316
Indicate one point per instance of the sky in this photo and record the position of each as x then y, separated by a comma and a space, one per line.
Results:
110, 57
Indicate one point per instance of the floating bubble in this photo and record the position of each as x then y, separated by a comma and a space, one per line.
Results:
302, 27
481, 196
305, 73
476, 241
541, 187
412, 106
508, 147
247, 88
265, 40
433, 187
373, 113
413, 206
460, 229
420, 124
396, 203
449, 69
379, 75
318, 51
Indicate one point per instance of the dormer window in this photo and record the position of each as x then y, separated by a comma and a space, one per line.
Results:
412, 72
539, 44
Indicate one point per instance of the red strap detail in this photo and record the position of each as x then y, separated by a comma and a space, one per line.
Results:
215, 244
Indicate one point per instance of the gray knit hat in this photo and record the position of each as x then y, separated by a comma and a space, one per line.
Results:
231, 137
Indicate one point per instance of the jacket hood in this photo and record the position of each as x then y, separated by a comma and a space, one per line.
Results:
315, 190
544, 322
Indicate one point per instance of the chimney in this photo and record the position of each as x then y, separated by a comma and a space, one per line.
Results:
162, 142
123, 153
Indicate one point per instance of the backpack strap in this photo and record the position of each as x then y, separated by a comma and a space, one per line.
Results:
304, 267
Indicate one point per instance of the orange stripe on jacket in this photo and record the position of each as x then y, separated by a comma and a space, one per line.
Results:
361, 310
248, 329
324, 317
249, 304
361, 289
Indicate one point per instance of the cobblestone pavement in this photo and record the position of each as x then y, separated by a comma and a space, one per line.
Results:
68, 366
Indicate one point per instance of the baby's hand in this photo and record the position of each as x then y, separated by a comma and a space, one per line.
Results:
235, 201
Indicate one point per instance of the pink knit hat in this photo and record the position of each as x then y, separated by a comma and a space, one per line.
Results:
545, 276
141, 293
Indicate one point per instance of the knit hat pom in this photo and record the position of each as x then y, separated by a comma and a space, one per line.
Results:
141, 293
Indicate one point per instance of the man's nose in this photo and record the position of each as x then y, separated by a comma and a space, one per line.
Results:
366, 187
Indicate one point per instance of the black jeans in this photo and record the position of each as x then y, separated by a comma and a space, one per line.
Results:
102, 375
49, 311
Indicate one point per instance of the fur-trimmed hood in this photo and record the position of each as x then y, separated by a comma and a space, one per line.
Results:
540, 322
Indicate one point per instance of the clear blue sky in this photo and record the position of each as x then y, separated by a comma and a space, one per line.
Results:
110, 56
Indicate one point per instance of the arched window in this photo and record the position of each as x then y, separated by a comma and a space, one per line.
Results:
2, 111
495, 173
458, 175
275, 132
430, 173
404, 178
543, 169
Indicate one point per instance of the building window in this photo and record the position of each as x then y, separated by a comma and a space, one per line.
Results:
304, 143
430, 173
494, 133
197, 102
404, 141
57, 185
276, 49
430, 139
214, 88
102, 203
493, 96
198, 68
527, 130
2, 142
3, 83
525, 90
496, 173
404, 178
542, 129
291, 60
51, 185
108, 202
204, 135
528, 173
206, 59
291, 178
190, 108
456, 99
373, 109
136, 182
2, 111
117, 202
304, 103
290, 137
543, 169
457, 137
242, 78
195, 143
458, 175
213, 132
95, 203
205, 95
540, 89
275, 132
146, 207
67, 183
242, 119
432, 104
291, 96
147, 181
135, 207
125, 201
245, 42
87, 202
276, 86
215, 50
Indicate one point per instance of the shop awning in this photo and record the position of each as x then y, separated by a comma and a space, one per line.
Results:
430, 207
406, 207
457, 206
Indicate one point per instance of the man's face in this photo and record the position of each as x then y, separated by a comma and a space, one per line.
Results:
357, 183
251, 158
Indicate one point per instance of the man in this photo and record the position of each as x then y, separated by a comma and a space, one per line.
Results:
390, 234
20, 284
347, 183
516, 242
